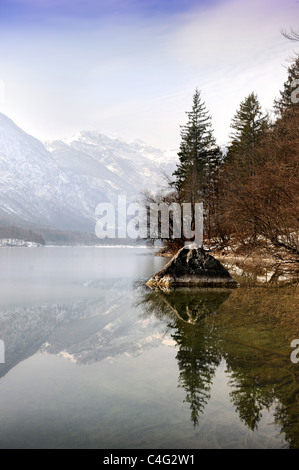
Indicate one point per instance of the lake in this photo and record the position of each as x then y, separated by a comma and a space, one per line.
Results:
94, 359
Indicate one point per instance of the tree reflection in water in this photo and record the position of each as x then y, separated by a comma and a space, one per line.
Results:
251, 329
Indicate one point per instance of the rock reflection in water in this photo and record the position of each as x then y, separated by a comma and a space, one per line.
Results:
190, 305
251, 329
198, 355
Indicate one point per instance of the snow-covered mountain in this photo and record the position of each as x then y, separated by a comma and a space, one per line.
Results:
33, 189
112, 165
59, 184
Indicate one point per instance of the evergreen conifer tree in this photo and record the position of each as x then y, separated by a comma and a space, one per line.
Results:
289, 96
199, 156
249, 125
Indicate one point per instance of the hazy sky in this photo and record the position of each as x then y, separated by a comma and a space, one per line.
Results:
129, 68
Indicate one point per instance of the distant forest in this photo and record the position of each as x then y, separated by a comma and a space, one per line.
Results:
48, 236
21, 233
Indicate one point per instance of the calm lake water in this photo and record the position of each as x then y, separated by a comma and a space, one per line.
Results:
95, 359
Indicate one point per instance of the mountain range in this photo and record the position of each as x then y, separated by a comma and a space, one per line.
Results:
55, 186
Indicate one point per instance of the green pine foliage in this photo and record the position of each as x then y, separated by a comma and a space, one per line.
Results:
285, 103
249, 126
199, 156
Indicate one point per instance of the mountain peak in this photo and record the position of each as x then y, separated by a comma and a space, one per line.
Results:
59, 184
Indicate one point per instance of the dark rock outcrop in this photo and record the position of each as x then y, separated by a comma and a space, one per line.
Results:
193, 266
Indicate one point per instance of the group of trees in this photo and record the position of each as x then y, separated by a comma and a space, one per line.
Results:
21, 233
258, 188
250, 191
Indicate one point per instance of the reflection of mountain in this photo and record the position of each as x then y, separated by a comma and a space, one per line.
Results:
245, 328
248, 333
84, 331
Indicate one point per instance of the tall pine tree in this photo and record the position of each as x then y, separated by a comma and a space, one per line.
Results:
249, 125
199, 156
288, 96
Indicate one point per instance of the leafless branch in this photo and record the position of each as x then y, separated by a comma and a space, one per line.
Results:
292, 35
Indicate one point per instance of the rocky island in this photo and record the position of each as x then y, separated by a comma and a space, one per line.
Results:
193, 266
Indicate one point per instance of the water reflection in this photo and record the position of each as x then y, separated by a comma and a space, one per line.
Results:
248, 329
189, 305
101, 324
251, 329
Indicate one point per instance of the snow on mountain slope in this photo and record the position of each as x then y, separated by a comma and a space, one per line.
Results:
127, 168
60, 183
33, 189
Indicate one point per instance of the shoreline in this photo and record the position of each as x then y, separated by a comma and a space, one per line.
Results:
258, 267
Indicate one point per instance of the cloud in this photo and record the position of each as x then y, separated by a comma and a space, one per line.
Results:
234, 32
133, 71
232, 49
